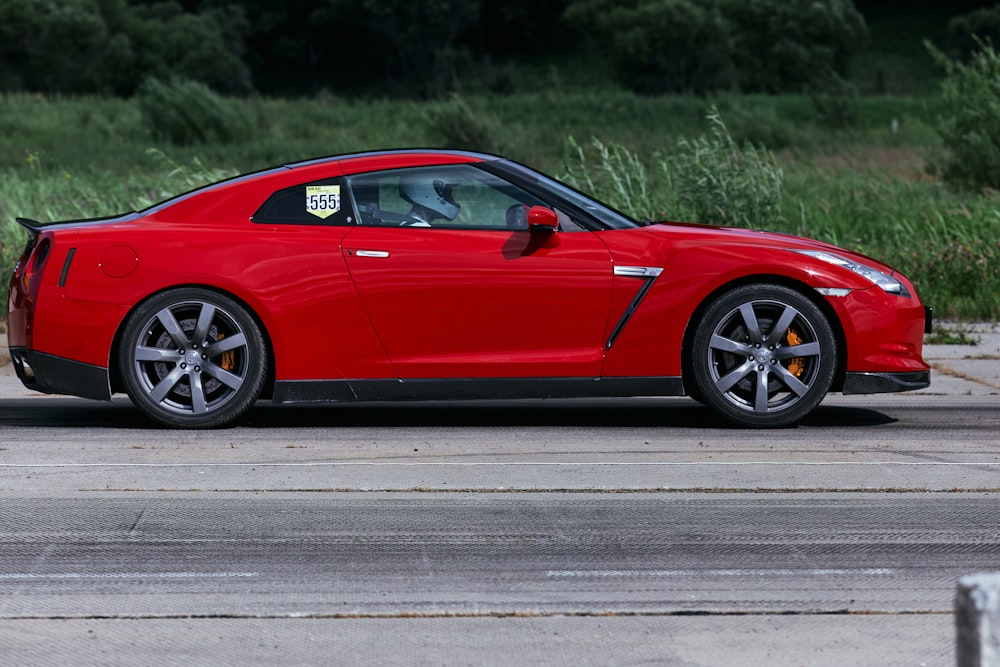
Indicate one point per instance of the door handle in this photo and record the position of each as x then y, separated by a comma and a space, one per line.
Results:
371, 253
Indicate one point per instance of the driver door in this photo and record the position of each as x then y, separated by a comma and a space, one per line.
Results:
479, 295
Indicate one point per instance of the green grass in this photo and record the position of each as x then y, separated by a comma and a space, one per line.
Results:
947, 244
866, 188
953, 334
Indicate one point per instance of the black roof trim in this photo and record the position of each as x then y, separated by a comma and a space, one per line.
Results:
392, 151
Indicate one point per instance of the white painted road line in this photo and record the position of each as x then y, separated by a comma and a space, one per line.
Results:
484, 464
24, 576
582, 574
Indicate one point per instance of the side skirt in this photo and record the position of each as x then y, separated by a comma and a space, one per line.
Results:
323, 391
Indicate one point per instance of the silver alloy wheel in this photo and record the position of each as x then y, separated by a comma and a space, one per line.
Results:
763, 355
193, 358
754, 364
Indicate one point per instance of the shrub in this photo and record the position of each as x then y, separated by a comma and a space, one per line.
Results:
785, 45
110, 46
178, 177
660, 46
718, 181
970, 123
835, 101
187, 112
708, 179
619, 178
455, 125
968, 31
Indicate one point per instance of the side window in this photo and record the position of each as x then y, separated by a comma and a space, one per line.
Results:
450, 197
320, 203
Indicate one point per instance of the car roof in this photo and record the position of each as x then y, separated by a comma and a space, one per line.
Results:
349, 163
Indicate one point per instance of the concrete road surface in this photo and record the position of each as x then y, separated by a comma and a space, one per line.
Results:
573, 532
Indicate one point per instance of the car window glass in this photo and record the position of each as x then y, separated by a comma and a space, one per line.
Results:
450, 196
562, 196
318, 203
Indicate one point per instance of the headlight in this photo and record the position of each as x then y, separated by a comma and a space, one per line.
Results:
883, 280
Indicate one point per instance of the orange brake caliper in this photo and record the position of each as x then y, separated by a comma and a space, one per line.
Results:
797, 364
228, 360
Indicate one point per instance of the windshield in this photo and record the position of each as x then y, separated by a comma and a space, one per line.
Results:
549, 188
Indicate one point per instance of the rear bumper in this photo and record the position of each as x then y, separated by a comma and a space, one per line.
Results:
50, 374
882, 383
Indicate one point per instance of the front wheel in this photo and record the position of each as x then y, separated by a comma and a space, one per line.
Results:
763, 356
193, 358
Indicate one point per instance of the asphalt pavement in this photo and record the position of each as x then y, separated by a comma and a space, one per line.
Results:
957, 370
108, 517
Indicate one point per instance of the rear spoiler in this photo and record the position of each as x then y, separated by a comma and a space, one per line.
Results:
33, 226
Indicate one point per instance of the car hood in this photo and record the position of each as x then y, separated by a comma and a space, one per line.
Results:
716, 235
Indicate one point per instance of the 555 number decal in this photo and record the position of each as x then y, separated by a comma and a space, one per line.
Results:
322, 200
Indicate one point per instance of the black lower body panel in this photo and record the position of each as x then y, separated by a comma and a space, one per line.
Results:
882, 383
322, 391
50, 374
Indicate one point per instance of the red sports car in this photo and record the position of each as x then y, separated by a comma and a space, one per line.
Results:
427, 274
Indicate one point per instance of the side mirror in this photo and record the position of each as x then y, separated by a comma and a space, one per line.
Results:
541, 219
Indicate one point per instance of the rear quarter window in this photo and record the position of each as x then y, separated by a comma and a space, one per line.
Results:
319, 203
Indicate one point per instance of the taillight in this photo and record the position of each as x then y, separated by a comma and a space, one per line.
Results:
26, 253
41, 253
32, 262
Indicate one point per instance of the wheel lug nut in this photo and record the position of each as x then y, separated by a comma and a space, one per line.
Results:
761, 367
197, 369
204, 356
184, 366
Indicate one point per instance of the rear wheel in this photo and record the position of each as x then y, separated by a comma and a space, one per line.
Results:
763, 356
193, 358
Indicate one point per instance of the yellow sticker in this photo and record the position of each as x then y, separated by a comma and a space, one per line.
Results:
322, 200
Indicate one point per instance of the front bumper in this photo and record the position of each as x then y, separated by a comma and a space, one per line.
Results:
882, 383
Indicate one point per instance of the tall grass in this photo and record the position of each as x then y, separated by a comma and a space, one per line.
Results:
48, 195
711, 179
863, 188
949, 244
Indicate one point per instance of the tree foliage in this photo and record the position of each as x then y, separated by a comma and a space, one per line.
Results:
967, 31
696, 45
184, 112
660, 46
427, 48
62, 46
109, 46
789, 45
970, 125
413, 42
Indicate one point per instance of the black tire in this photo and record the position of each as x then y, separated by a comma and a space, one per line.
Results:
763, 356
192, 358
